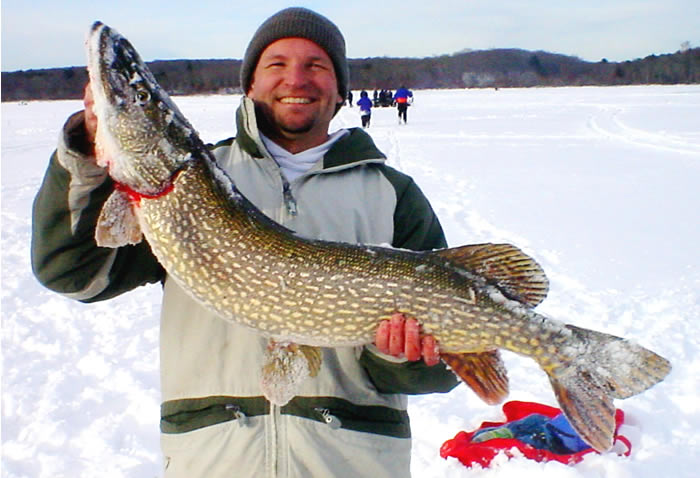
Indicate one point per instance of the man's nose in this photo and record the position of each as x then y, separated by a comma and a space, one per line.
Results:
296, 75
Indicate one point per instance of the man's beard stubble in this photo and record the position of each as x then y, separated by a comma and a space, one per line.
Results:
271, 127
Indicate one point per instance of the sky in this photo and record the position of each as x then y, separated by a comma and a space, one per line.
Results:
48, 34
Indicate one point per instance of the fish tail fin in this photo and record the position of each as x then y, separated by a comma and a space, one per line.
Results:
609, 367
484, 372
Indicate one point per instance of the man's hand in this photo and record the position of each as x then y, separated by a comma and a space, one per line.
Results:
401, 337
90, 117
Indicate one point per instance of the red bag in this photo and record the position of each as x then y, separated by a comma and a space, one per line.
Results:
470, 453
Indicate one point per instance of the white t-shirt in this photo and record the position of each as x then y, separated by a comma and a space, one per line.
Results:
294, 165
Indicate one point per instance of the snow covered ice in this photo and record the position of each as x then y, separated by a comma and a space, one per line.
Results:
600, 185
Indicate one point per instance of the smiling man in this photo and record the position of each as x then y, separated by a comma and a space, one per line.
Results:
349, 420
295, 91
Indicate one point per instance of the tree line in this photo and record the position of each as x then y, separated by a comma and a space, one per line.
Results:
498, 68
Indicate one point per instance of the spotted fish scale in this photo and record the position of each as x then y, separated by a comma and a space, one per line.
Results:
316, 292
237, 262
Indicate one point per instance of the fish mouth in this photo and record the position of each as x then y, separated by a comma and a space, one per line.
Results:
115, 65
103, 55
136, 116
96, 26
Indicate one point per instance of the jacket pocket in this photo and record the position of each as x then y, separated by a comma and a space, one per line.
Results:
182, 416
222, 450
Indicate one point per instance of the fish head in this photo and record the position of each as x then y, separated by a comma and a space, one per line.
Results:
142, 137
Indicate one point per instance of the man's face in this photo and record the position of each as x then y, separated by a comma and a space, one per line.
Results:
296, 91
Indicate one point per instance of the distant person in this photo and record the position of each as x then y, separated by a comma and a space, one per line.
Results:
365, 105
382, 98
403, 97
350, 98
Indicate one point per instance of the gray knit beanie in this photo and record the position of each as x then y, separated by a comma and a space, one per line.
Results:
298, 22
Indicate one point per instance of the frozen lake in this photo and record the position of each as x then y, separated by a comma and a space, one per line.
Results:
600, 185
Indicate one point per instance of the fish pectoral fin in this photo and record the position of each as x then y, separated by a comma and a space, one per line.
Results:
484, 372
314, 358
517, 275
286, 366
117, 225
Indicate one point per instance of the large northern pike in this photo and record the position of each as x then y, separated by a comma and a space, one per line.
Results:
248, 269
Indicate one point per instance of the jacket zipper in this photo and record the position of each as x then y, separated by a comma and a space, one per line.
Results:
330, 420
272, 443
289, 201
241, 417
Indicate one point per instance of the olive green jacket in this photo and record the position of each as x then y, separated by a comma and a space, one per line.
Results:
348, 420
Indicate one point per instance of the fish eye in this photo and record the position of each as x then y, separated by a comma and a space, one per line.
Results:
143, 96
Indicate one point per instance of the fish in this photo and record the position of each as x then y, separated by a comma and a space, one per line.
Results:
304, 293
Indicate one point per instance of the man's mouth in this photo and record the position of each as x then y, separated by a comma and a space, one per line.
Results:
293, 100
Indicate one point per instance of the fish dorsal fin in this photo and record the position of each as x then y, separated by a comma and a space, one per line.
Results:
517, 275
117, 225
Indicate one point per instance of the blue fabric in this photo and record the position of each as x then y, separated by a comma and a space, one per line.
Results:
403, 93
365, 104
539, 431
560, 427
532, 430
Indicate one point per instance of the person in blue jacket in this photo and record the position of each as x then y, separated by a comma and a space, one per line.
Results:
403, 97
365, 105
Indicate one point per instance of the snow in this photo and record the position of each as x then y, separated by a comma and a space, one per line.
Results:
600, 185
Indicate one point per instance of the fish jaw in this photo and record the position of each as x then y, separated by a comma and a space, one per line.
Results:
142, 137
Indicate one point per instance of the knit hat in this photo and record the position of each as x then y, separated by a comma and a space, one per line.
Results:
298, 22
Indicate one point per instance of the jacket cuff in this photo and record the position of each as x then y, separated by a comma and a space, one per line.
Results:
406, 377
386, 357
71, 154
74, 135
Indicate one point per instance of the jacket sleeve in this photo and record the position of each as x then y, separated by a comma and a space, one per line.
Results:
65, 257
416, 227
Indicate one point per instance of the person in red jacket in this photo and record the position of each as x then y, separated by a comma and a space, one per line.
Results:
403, 97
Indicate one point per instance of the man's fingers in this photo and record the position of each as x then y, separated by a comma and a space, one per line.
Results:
412, 347
381, 339
90, 117
430, 349
401, 337
396, 337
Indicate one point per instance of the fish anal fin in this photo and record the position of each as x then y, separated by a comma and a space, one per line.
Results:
515, 273
117, 225
286, 367
484, 372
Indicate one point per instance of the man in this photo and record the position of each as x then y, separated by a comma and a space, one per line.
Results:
351, 419
403, 97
